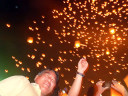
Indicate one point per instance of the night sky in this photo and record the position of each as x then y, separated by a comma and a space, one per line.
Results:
56, 27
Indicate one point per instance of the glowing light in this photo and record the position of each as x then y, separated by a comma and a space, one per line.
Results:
33, 56
107, 52
30, 39
112, 31
6, 70
118, 38
98, 55
8, 25
43, 55
92, 81
77, 44
27, 77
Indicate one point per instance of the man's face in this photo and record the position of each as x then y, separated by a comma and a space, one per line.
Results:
46, 81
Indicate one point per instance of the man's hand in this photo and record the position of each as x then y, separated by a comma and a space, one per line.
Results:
82, 65
120, 88
99, 88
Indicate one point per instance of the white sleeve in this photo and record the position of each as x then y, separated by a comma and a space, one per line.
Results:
12, 85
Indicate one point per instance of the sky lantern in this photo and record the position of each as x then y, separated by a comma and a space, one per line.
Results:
8, 25
6, 70
77, 44
97, 55
112, 31
107, 52
30, 39
118, 38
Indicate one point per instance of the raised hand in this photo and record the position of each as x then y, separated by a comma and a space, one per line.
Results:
99, 88
82, 65
118, 87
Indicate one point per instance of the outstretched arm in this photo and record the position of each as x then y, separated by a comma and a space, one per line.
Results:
76, 86
120, 88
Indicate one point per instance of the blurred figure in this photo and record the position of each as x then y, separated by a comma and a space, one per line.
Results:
120, 88
76, 86
101, 86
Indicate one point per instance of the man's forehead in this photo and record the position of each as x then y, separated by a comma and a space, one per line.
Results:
49, 72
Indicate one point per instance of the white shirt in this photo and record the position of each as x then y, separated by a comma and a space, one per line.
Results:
18, 86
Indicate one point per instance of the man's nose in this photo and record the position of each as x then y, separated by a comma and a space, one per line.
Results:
49, 79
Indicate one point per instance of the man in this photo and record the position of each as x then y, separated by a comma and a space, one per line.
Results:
45, 83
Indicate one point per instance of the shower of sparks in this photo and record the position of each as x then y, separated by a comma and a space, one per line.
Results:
94, 29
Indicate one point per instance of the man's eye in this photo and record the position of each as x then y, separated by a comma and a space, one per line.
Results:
47, 75
53, 80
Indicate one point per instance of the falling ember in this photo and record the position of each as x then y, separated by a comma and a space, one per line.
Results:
30, 39
77, 44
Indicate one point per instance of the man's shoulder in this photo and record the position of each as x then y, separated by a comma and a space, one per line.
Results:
16, 78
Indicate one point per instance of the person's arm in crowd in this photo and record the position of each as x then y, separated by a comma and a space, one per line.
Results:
119, 87
76, 86
99, 89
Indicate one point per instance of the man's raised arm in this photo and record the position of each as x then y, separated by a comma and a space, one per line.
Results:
76, 86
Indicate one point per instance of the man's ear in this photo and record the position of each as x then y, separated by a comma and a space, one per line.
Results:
36, 77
